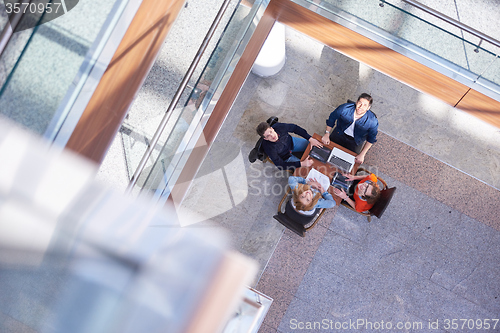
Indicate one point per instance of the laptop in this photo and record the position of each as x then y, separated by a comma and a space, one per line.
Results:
342, 160
340, 182
321, 154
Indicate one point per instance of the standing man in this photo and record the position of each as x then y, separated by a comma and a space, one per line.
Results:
356, 126
279, 145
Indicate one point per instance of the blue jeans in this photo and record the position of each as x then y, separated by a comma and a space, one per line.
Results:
299, 145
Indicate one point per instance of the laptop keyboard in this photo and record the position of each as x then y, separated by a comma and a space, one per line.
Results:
340, 163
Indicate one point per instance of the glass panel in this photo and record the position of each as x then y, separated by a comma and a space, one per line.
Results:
212, 81
40, 64
3, 16
491, 76
479, 61
164, 79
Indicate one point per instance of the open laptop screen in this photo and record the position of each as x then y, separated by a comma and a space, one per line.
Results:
341, 159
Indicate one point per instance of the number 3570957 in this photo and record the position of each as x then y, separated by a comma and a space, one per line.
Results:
32, 8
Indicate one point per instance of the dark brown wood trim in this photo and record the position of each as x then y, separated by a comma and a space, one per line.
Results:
124, 76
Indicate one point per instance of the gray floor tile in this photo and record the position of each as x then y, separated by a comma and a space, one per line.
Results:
272, 91
302, 315
320, 286
428, 300
481, 286
388, 280
422, 256
342, 256
454, 269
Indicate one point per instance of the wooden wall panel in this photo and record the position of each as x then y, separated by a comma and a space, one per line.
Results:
122, 79
481, 106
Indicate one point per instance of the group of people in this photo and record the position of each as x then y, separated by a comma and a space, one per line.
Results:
351, 125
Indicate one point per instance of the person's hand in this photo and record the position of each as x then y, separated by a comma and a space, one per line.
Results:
307, 162
340, 193
348, 176
315, 184
315, 142
326, 139
360, 158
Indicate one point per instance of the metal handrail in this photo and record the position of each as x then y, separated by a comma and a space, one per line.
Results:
177, 96
453, 22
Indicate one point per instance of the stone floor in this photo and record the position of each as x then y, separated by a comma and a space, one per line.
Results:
434, 253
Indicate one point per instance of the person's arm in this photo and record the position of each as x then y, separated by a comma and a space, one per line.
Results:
307, 162
334, 118
341, 194
294, 181
353, 177
293, 128
330, 122
360, 158
303, 133
315, 142
350, 201
326, 137
327, 201
371, 138
277, 160
315, 184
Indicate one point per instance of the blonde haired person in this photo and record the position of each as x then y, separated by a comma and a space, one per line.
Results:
307, 195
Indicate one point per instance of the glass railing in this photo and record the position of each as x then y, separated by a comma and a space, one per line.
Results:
176, 72
41, 66
3, 16
419, 35
186, 128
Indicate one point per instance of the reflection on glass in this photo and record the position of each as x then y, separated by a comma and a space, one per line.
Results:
200, 103
3, 16
40, 64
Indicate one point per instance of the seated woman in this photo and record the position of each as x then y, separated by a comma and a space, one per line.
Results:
366, 192
307, 195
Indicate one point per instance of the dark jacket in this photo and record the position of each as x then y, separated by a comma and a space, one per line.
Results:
365, 128
281, 150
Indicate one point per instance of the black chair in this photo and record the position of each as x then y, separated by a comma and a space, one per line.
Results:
292, 219
382, 202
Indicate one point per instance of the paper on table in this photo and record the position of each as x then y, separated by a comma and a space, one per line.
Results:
321, 178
